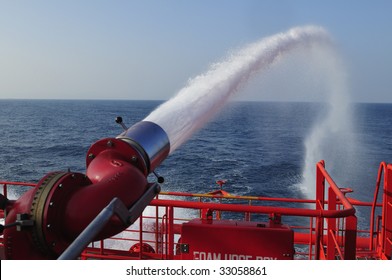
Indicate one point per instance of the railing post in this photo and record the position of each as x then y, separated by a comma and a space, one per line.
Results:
170, 232
331, 225
5, 192
387, 214
310, 238
320, 200
157, 229
141, 236
381, 169
164, 235
350, 238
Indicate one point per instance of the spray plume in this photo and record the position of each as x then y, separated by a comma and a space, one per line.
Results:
205, 95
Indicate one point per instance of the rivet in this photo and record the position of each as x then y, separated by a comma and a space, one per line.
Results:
134, 159
109, 143
60, 186
51, 204
48, 225
91, 155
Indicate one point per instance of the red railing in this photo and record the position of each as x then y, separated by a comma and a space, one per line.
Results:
383, 238
337, 240
328, 230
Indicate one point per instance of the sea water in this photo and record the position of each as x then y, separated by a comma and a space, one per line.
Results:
258, 147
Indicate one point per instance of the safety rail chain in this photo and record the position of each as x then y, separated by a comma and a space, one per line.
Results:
331, 232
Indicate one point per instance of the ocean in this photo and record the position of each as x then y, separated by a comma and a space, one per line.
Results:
257, 147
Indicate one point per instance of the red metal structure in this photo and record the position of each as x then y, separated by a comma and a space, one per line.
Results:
45, 220
69, 215
188, 226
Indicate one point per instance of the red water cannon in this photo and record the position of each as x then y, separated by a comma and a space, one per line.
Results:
44, 221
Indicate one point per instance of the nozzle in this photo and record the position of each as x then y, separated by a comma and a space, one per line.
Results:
150, 140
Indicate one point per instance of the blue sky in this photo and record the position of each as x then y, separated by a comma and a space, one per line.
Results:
149, 49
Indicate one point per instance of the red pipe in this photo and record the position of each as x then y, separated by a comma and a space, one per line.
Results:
255, 209
381, 169
111, 175
62, 204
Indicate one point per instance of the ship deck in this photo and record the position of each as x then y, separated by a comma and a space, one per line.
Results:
321, 228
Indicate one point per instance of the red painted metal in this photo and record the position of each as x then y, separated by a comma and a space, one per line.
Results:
232, 240
112, 174
58, 200
328, 230
383, 166
141, 248
386, 217
383, 241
